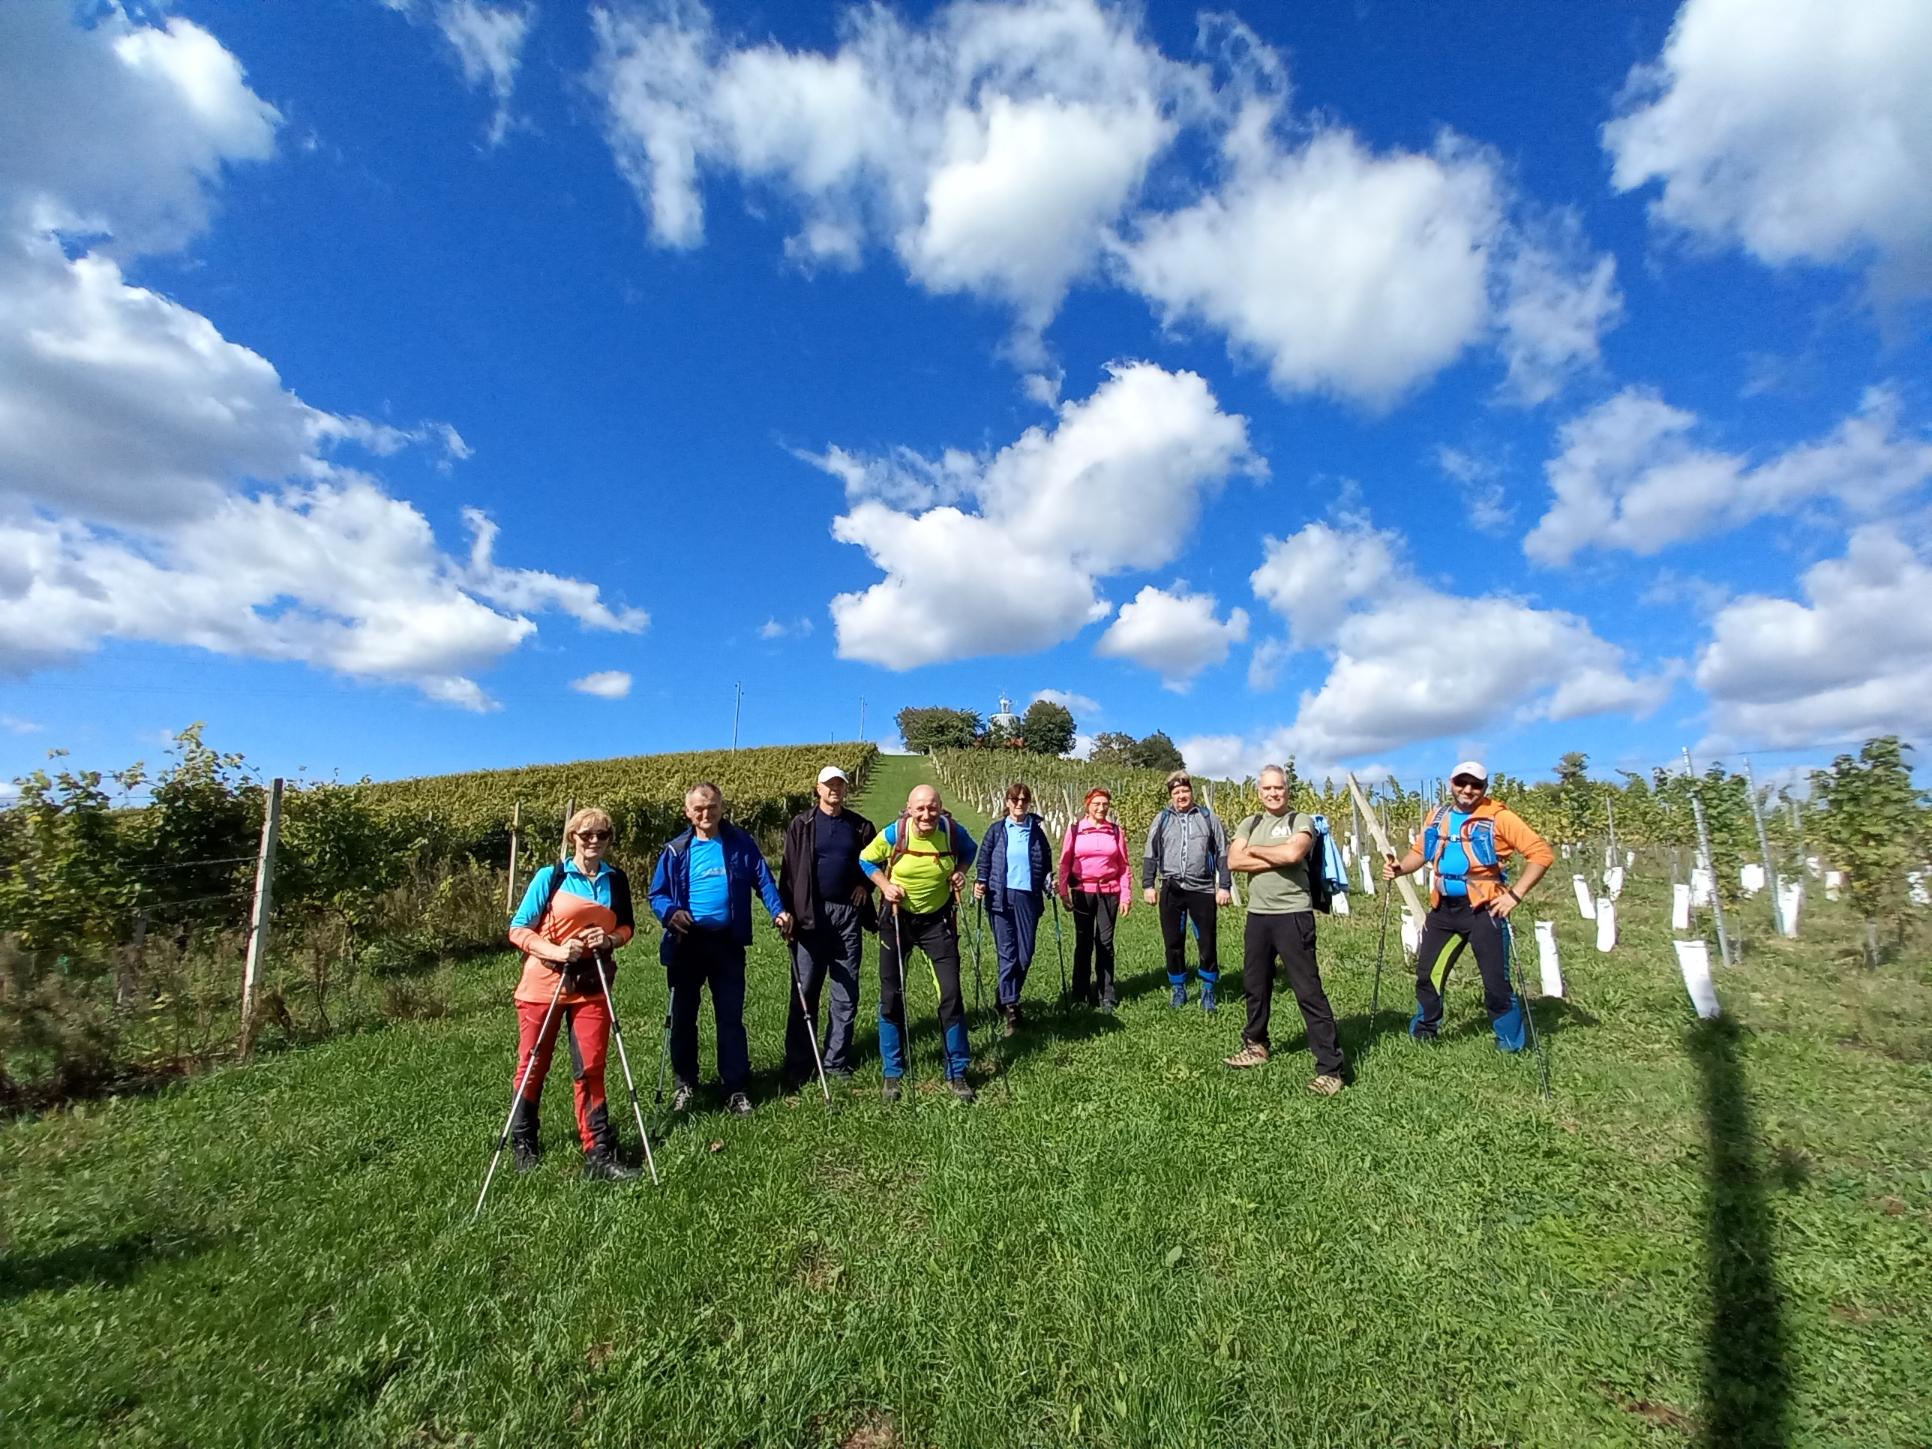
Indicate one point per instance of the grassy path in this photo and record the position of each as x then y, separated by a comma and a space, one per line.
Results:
1716, 1233
894, 778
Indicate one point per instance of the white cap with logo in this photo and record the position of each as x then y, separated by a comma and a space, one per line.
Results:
1473, 768
832, 772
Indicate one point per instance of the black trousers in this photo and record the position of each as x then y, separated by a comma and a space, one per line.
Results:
937, 934
1094, 914
1291, 939
1178, 907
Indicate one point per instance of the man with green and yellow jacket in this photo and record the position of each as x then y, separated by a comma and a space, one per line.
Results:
919, 863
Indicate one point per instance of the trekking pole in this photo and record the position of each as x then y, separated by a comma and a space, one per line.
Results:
503, 1137
1381, 947
1059, 948
811, 1029
905, 1001
602, 958
663, 1059
1516, 981
979, 984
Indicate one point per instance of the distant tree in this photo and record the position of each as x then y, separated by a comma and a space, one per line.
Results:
1873, 827
1572, 767
1112, 747
935, 727
1156, 752
1047, 728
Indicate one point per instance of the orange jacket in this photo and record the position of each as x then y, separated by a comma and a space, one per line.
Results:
1492, 833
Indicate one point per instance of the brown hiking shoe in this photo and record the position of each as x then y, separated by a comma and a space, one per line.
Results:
1325, 1085
1252, 1054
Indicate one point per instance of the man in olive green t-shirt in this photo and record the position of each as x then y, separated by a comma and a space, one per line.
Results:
1272, 850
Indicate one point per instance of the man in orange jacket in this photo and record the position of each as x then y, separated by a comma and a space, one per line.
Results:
1467, 842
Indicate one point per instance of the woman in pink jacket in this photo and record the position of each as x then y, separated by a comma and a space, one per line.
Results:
1097, 883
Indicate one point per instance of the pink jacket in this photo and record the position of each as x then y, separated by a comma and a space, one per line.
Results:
1093, 858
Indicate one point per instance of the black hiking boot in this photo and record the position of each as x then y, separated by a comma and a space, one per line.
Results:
525, 1156
603, 1166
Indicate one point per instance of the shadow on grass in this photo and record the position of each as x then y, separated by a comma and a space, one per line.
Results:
1746, 1359
107, 1265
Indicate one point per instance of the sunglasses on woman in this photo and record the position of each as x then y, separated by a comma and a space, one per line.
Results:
593, 835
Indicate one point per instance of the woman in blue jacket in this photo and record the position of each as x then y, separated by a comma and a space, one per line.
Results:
1015, 874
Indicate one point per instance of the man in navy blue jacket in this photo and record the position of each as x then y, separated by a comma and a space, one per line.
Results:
701, 891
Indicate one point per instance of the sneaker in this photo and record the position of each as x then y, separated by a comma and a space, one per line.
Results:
603, 1166
527, 1156
1326, 1085
1252, 1054
738, 1104
1207, 998
1180, 995
963, 1089
683, 1097
1107, 1005
891, 1090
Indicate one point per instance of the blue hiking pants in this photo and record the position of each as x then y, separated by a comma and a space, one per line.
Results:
1016, 928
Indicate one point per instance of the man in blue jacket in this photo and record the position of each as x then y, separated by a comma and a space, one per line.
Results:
701, 891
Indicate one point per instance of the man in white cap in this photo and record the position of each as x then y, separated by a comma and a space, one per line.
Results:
830, 900
1467, 842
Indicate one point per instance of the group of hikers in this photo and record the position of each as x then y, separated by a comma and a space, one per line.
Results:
841, 878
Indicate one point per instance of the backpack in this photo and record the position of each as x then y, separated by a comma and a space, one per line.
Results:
1327, 872
902, 843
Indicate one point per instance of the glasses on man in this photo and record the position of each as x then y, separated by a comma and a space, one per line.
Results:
1463, 782
593, 835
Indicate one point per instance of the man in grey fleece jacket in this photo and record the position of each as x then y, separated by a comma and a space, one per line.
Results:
1187, 850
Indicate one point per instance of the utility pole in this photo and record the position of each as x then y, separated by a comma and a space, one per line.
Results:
737, 704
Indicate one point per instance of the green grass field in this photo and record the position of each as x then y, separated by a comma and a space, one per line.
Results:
1712, 1234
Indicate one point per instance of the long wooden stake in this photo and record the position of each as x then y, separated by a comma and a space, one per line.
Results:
1381, 838
510, 885
570, 809
1710, 860
1764, 849
258, 919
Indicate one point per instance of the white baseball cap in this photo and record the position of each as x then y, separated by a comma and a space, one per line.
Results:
1467, 767
832, 772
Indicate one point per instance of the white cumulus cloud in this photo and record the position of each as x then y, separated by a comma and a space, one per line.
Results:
1078, 704
157, 481
1801, 132
486, 41
1175, 634
1631, 477
1348, 590
1049, 516
1852, 660
604, 684
989, 146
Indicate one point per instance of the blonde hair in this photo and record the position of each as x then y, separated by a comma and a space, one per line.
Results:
589, 815
1179, 777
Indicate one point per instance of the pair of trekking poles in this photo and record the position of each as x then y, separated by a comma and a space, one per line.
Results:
1516, 984
602, 964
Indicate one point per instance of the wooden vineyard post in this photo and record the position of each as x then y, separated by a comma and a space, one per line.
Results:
570, 809
258, 918
510, 885
1380, 836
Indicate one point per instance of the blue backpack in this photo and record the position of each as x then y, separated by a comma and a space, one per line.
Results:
1327, 872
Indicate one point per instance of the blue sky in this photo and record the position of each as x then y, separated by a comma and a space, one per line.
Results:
409, 385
